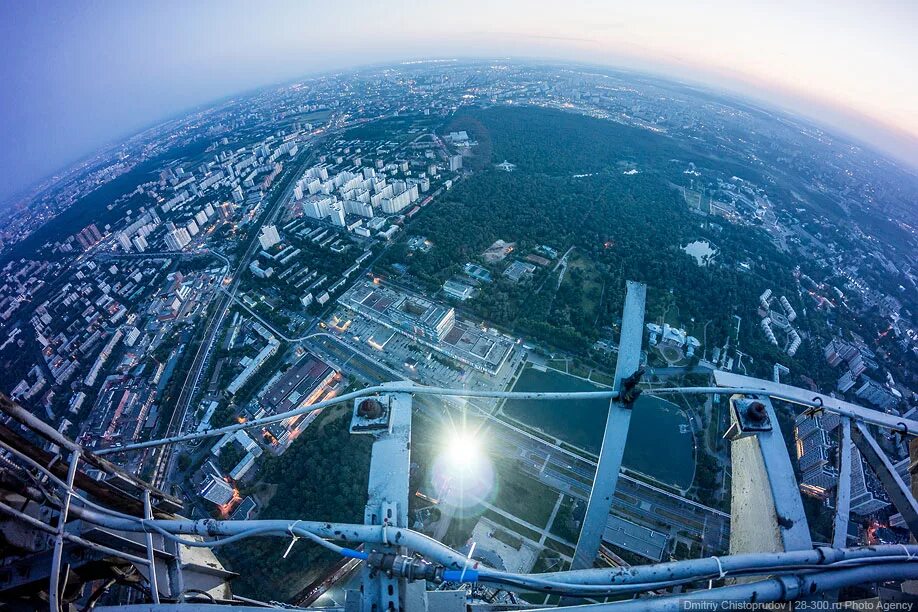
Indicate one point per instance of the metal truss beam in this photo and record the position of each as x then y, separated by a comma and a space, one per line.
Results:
767, 512
898, 491
616, 432
843, 491
812, 399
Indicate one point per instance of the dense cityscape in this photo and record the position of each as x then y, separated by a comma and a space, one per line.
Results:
467, 224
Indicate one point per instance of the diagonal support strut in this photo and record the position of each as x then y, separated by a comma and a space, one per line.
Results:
616, 433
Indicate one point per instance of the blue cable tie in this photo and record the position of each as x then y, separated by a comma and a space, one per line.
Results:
471, 575
353, 554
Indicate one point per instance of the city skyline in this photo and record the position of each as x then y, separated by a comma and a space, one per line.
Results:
81, 78
338, 300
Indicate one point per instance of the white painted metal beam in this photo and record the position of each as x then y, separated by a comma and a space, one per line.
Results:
616, 432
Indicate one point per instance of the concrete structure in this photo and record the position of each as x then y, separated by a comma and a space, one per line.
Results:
518, 270
217, 491
256, 362
429, 323
269, 236
412, 314
177, 239
673, 343
300, 385
458, 290
866, 496
638, 539
877, 394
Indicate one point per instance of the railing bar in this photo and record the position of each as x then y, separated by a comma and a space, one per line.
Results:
882, 420
151, 562
54, 590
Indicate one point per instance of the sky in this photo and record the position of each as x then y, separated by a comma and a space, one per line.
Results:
79, 75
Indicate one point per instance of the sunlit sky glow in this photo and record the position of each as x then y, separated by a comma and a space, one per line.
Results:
78, 75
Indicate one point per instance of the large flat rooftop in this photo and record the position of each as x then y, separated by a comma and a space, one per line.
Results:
402, 308
635, 538
298, 384
430, 323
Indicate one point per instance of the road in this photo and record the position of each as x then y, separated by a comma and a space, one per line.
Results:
553, 465
164, 460
152, 255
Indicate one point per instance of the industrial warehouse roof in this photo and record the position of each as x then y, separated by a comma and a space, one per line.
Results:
298, 383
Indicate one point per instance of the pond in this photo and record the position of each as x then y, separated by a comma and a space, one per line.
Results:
660, 443
701, 250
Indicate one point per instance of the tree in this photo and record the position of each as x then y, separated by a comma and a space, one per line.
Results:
231, 454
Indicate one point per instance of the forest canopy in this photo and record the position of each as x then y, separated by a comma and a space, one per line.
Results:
614, 194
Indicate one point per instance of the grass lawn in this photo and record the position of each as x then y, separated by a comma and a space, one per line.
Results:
563, 526
561, 548
515, 527
523, 496
508, 538
602, 379
460, 528
589, 281
549, 561
692, 198
580, 370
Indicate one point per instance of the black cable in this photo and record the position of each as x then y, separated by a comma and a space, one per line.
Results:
98, 593
198, 592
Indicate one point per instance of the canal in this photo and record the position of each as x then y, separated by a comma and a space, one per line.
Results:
660, 443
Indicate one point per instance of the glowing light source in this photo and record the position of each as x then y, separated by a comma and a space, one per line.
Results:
462, 474
463, 447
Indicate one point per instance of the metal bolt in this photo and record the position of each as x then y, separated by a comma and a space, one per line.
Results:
757, 412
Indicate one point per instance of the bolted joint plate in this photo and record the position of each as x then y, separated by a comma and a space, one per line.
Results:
750, 417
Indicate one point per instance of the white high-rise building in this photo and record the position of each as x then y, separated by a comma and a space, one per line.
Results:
313, 186
455, 163
192, 228
354, 207
864, 498
269, 236
226, 210
124, 241
336, 213
312, 209
140, 243
400, 200
318, 206
815, 437
177, 239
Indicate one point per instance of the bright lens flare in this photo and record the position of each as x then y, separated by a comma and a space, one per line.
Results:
463, 476
463, 447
